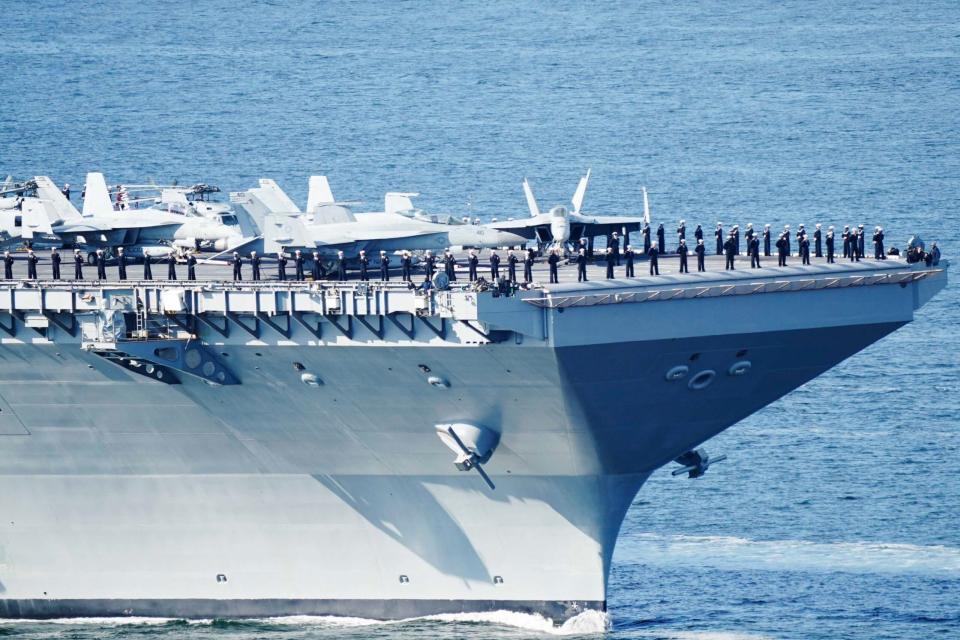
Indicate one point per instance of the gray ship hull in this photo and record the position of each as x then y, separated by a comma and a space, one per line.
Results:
126, 495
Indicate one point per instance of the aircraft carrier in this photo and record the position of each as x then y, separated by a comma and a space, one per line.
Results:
219, 449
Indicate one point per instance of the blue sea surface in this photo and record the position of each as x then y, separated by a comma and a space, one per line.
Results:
836, 514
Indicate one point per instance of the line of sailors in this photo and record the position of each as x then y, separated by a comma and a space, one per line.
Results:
99, 262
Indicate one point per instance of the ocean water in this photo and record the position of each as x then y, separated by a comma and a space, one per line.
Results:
836, 515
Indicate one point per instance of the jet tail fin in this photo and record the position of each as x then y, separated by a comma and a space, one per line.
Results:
281, 232
531, 201
97, 200
255, 204
36, 216
319, 193
395, 202
63, 209
581, 191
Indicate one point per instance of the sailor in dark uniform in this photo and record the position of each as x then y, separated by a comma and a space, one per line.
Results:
805, 249
7, 266
66, 191
766, 240
683, 250
730, 250
786, 236
191, 266
472, 262
316, 267
512, 266
553, 261
450, 266
753, 249
528, 261
681, 231
55, 261
615, 245
77, 265
32, 260
582, 265
406, 266
700, 250
855, 245
254, 266
817, 242
148, 273
830, 245
101, 265
611, 260
629, 255
384, 266
495, 265
121, 264
364, 262
736, 239
801, 234
646, 238
878, 245
748, 235
861, 241
782, 251
654, 264
281, 266
237, 263
342, 267
172, 267
661, 238
846, 241
298, 265
698, 234
719, 234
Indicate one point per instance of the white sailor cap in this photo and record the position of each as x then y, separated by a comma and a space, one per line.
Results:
860, 226
749, 225
786, 226
818, 225
766, 226
801, 225
830, 227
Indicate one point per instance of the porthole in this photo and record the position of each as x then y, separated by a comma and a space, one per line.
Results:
739, 368
702, 380
680, 371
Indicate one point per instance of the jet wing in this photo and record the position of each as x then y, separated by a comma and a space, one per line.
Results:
528, 228
603, 225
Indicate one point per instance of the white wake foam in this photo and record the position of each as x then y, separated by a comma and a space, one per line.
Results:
723, 552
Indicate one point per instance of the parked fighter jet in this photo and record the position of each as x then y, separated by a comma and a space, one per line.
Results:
560, 226
331, 226
143, 232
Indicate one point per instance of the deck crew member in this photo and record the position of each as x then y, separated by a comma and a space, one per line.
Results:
681, 231
782, 251
654, 263
191, 266
298, 265
719, 234
629, 255
861, 241
316, 267
878, 253
254, 266
611, 260
364, 263
66, 190
528, 266
700, 250
801, 234
661, 238
32, 260
450, 266
830, 245
342, 267
582, 265
237, 263
172, 267
748, 235
736, 239
553, 260
683, 250
384, 266
698, 234
753, 249
804, 249
495, 264
730, 250
846, 241
786, 237
766, 240
615, 245
77, 265
7, 266
121, 264
512, 266
854, 253
646, 238
281, 266
55, 261
429, 264
406, 266
148, 273
817, 242
472, 262
101, 265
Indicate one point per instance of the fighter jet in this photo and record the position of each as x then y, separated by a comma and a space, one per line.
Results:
331, 226
140, 232
560, 226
